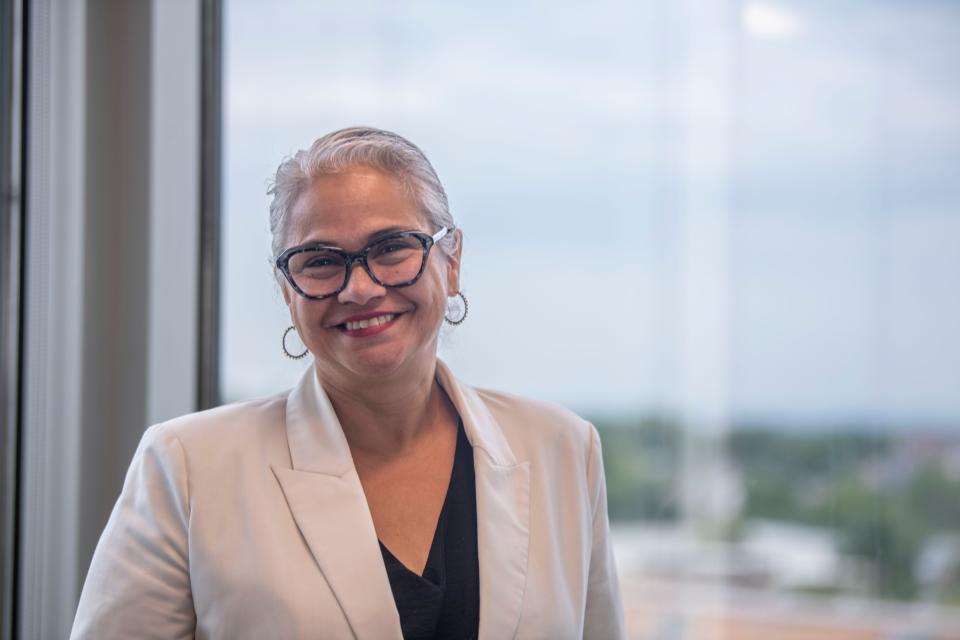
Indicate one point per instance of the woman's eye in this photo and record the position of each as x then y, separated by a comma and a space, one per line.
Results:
322, 263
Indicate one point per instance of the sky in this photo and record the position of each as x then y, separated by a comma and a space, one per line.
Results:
723, 210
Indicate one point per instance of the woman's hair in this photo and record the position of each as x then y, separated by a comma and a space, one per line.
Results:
359, 146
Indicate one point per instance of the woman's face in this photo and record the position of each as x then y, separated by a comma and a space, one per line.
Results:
346, 210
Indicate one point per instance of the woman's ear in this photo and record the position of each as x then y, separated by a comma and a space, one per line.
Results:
453, 259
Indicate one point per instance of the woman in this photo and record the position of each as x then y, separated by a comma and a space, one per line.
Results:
380, 498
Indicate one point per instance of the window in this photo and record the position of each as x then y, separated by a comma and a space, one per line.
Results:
725, 233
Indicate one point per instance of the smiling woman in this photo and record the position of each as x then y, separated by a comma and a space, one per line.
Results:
350, 209
381, 497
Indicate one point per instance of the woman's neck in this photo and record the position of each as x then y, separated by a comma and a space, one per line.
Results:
385, 418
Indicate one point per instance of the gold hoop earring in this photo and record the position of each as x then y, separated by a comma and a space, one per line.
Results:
466, 308
283, 343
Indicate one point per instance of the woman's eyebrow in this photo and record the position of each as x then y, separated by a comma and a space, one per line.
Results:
376, 235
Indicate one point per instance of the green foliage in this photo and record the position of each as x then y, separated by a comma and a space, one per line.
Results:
934, 497
879, 527
641, 466
882, 504
881, 508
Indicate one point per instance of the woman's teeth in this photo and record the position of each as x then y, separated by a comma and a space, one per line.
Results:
369, 322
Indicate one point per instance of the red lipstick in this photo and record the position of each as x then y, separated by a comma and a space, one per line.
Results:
373, 329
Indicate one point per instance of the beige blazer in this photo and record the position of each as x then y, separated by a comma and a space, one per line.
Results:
249, 521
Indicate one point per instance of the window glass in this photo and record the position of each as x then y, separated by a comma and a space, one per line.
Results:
726, 233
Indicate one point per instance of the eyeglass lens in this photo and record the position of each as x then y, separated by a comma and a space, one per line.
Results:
392, 261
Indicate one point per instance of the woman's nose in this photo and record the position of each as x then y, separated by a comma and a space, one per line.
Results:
360, 286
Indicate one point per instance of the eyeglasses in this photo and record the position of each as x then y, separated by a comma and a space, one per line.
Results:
319, 271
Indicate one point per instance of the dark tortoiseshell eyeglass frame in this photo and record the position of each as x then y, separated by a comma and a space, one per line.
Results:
426, 241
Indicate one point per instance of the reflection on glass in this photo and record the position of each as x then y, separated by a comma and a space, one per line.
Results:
727, 233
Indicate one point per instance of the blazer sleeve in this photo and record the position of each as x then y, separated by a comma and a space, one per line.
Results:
603, 618
138, 584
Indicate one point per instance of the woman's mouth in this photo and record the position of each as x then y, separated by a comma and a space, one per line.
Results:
368, 326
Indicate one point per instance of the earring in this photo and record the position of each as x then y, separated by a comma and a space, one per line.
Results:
283, 343
466, 308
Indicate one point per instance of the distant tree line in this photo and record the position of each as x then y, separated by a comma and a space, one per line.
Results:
882, 505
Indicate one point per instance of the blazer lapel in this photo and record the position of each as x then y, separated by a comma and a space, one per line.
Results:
503, 512
327, 502
503, 536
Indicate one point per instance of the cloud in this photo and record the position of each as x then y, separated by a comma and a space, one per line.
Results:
820, 133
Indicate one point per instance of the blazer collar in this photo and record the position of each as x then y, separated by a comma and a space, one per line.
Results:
327, 501
317, 442
482, 429
503, 511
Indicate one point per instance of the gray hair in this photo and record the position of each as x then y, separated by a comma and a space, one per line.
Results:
359, 146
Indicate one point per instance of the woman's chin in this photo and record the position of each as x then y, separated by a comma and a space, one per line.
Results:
376, 363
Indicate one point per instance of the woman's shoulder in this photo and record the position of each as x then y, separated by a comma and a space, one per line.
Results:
511, 405
235, 423
533, 425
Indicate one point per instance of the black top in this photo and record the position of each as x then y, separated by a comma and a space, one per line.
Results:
445, 601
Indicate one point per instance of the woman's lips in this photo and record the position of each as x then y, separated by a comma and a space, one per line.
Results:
369, 326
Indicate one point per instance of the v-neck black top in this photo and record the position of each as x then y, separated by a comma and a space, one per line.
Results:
445, 601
